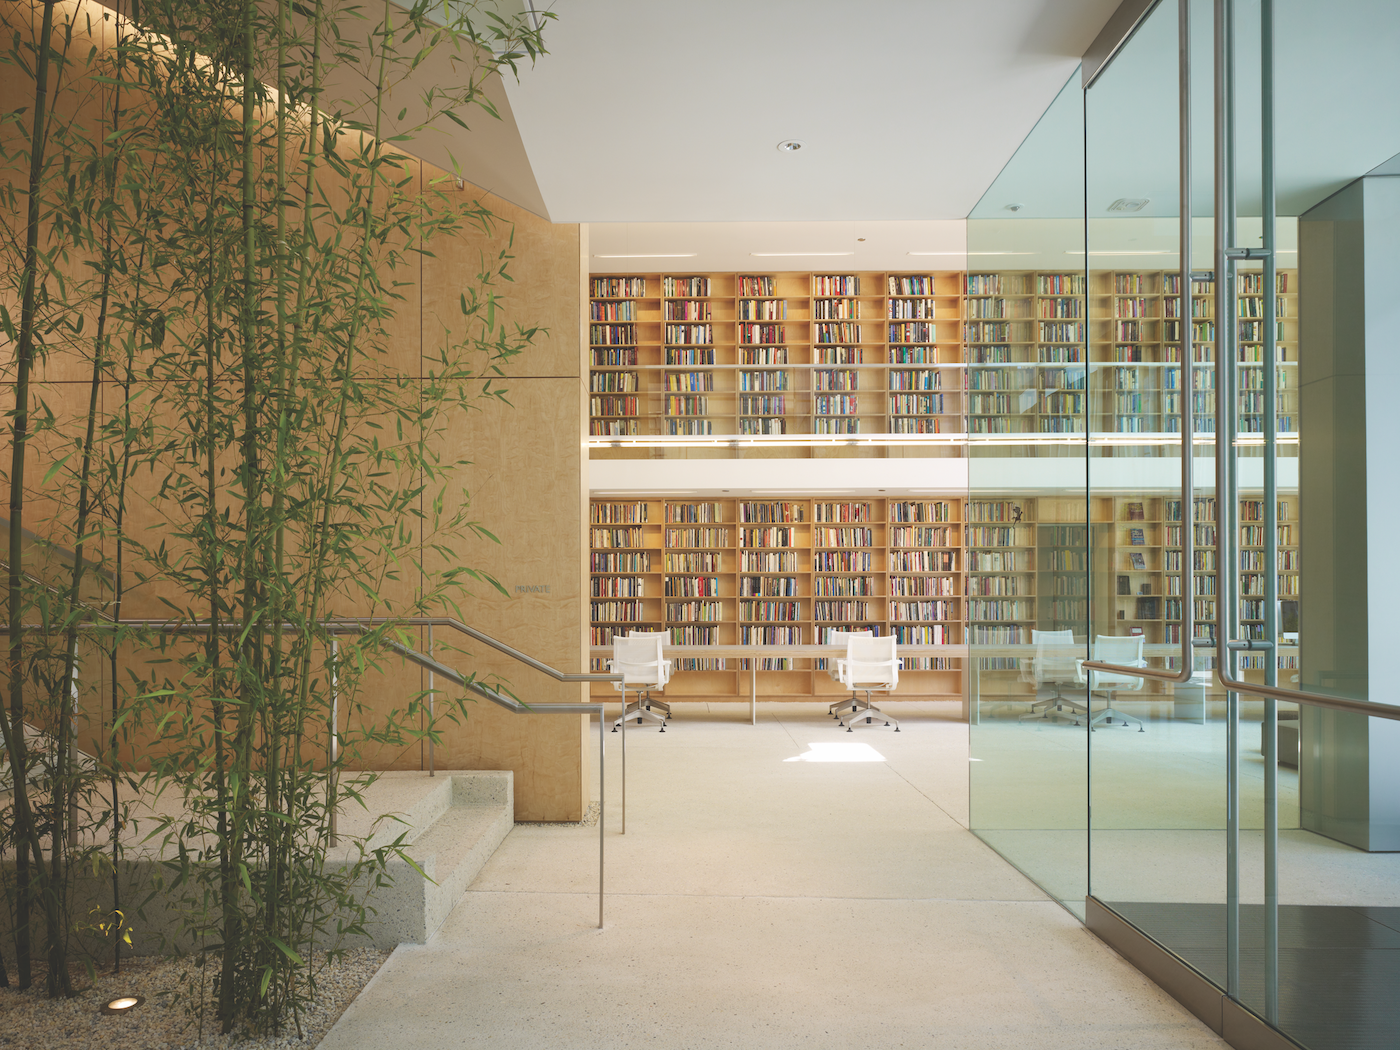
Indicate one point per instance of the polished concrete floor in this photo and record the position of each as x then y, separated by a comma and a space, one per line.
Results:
780, 885
1158, 804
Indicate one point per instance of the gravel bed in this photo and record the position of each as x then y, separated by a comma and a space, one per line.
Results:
31, 1020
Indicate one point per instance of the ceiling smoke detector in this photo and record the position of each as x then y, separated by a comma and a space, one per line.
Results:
790, 145
1130, 204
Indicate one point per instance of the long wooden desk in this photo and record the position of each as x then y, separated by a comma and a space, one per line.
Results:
753, 653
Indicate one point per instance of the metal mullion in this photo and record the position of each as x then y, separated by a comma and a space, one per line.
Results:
1227, 511
1270, 728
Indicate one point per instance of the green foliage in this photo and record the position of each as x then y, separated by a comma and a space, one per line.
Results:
227, 240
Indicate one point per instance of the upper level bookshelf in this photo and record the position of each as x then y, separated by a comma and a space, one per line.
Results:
919, 353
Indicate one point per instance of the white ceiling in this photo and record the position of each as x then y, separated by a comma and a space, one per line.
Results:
1337, 78
665, 111
768, 247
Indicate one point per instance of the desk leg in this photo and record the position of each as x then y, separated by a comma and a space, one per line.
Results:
971, 699
753, 691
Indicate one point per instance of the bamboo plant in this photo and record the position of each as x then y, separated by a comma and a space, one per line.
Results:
247, 230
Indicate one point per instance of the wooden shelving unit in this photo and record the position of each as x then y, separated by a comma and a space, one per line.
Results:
929, 571
1136, 328
813, 353
1139, 558
939, 352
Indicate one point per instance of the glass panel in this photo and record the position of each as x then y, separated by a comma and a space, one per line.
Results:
1026, 591
1157, 754
1160, 843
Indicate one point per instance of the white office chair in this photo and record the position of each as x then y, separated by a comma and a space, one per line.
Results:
871, 663
1125, 652
639, 662
661, 638
835, 637
1054, 662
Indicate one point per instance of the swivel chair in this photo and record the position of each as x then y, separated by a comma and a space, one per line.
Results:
1054, 662
661, 638
639, 662
1113, 649
834, 637
871, 663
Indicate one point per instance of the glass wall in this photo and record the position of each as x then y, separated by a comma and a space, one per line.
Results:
1027, 538
1256, 839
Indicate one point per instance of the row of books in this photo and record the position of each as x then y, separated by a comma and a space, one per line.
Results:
837, 309
617, 513
772, 512
683, 310
618, 587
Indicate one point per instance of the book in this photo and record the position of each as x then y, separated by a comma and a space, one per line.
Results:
1135, 512
1138, 561
1125, 585
1136, 538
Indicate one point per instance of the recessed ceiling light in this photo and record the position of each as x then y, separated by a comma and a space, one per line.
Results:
122, 1004
652, 255
790, 145
1130, 204
1014, 207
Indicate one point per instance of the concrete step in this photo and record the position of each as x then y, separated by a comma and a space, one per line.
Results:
450, 849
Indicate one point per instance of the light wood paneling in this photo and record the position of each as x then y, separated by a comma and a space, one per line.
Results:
526, 482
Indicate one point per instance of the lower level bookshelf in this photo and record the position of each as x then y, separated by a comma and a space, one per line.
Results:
962, 583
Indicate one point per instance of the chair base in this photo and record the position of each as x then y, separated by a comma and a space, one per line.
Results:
834, 709
866, 711
1057, 706
1108, 714
641, 710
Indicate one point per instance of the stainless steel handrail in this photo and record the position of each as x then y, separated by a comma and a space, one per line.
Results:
365, 624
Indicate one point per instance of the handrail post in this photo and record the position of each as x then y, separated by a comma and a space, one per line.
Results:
602, 794
332, 750
431, 770
624, 752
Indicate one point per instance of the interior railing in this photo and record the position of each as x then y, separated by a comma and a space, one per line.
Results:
435, 668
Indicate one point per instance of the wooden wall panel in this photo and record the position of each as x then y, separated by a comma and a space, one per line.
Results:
527, 484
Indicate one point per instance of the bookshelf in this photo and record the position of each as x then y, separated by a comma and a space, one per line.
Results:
933, 352
1136, 338
929, 352
931, 570
1138, 548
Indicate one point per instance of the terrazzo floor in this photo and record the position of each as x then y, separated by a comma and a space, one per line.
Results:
780, 885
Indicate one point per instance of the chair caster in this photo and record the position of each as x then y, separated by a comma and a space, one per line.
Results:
849, 729
896, 728
614, 729
663, 729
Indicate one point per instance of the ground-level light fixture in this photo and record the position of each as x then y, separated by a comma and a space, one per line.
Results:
122, 1004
